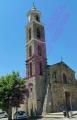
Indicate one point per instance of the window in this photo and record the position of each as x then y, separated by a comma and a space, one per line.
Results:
30, 51
39, 50
41, 69
38, 33
29, 33
37, 17
30, 69
54, 75
64, 79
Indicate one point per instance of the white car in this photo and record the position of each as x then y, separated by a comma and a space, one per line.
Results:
3, 115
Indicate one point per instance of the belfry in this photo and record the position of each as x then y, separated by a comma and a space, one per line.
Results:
36, 60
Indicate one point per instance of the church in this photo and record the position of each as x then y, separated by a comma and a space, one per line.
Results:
52, 88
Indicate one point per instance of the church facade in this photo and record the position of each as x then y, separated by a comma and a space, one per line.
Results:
52, 88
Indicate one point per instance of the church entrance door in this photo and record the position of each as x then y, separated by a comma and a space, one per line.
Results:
67, 101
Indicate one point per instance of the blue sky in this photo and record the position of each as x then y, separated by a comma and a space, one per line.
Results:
60, 20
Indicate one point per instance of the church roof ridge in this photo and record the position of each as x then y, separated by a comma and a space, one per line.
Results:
63, 63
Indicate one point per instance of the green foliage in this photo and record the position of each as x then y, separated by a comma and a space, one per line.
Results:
12, 90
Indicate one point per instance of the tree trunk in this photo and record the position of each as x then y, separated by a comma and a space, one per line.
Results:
9, 113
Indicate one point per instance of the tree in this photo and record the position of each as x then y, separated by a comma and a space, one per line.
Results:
12, 92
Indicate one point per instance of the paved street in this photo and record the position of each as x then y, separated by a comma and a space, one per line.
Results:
55, 116
60, 119
59, 116
75, 118
4, 119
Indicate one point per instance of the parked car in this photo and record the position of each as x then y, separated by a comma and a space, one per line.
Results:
20, 115
3, 115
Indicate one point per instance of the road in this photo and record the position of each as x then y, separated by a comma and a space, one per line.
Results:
73, 118
50, 119
4, 119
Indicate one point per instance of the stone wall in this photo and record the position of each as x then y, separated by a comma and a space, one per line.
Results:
56, 97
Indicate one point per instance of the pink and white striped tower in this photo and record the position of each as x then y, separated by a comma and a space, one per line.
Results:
35, 61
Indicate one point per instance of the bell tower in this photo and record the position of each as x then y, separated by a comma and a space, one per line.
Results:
35, 61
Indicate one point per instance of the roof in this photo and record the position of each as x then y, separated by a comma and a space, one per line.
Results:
33, 10
61, 63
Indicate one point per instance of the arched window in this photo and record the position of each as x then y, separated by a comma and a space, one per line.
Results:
64, 79
54, 76
37, 17
30, 69
29, 33
39, 50
38, 33
41, 69
30, 51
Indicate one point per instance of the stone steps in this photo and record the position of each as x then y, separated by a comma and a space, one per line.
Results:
58, 114
54, 115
